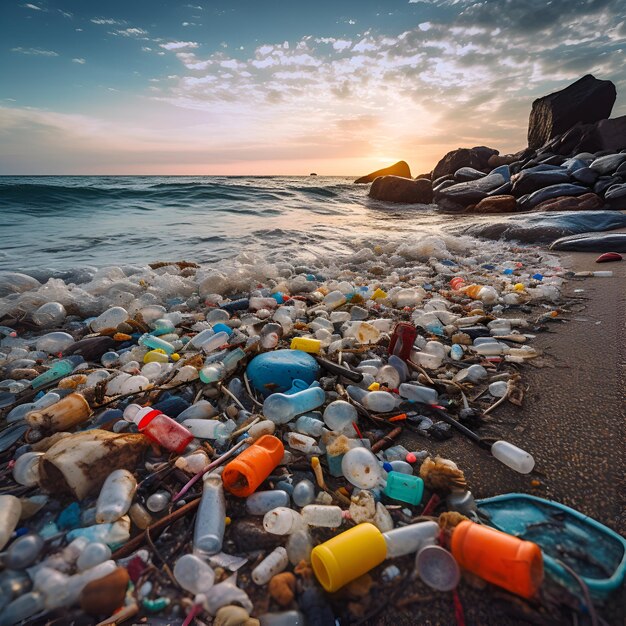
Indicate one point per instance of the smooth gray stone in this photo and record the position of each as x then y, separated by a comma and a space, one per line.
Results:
604, 183
585, 175
608, 164
552, 191
503, 170
471, 191
468, 173
529, 181
615, 197
574, 164
587, 242
504, 190
545, 227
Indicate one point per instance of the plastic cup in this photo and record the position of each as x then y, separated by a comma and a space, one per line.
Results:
438, 568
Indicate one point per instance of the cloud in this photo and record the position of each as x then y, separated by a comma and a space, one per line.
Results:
106, 21
194, 6
36, 52
342, 44
66, 14
178, 45
34, 7
79, 60
131, 32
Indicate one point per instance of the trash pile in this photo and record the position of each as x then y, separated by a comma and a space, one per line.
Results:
215, 446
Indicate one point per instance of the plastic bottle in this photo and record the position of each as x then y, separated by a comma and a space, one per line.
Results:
59, 369
361, 468
328, 516
309, 425
339, 416
10, 512
418, 393
23, 552
380, 401
404, 488
116, 496
274, 563
212, 373
282, 408
111, 318
206, 428
93, 554
501, 559
154, 343
49, 314
162, 429
302, 443
299, 546
212, 343
513, 457
283, 521
208, 533
494, 348
411, 538
334, 299
193, 574
303, 493
26, 469
245, 473
348, 555
261, 502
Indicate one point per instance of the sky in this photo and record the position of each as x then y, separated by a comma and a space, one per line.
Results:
339, 87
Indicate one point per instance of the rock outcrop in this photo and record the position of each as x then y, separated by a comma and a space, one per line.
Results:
405, 190
586, 202
586, 101
476, 158
401, 168
494, 204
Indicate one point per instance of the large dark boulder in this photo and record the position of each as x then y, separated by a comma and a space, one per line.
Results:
586, 101
476, 158
405, 190
472, 191
401, 168
528, 181
552, 191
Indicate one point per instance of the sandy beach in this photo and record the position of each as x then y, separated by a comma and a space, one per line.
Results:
572, 421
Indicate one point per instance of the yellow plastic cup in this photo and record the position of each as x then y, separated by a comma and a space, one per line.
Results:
313, 346
157, 356
348, 556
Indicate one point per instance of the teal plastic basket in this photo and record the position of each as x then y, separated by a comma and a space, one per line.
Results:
596, 553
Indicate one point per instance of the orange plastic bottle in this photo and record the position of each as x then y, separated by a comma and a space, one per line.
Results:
244, 474
501, 559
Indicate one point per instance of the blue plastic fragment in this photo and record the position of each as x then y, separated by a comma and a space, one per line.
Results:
507, 271
69, 518
219, 328
538, 276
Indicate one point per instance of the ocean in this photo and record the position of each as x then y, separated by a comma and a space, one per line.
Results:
51, 224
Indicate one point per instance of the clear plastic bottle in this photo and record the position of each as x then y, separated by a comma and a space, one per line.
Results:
213, 342
361, 468
411, 538
283, 521
299, 546
274, 563
513, 457
10, 511
418, 393
116, 496
193, 574
206, 428
154, 343
309, 425
380, 401
211, 517
328, 516
303, 493
111, 318
282, 408
59, 369
261, 502
339, 416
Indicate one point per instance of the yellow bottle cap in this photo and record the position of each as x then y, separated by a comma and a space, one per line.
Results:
374, 387
348, 556
306, 344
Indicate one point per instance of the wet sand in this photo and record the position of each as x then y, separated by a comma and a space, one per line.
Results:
573, 421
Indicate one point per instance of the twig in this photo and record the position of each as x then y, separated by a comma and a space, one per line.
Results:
155, 529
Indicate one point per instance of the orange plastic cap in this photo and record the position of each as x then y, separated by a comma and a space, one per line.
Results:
244, 474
